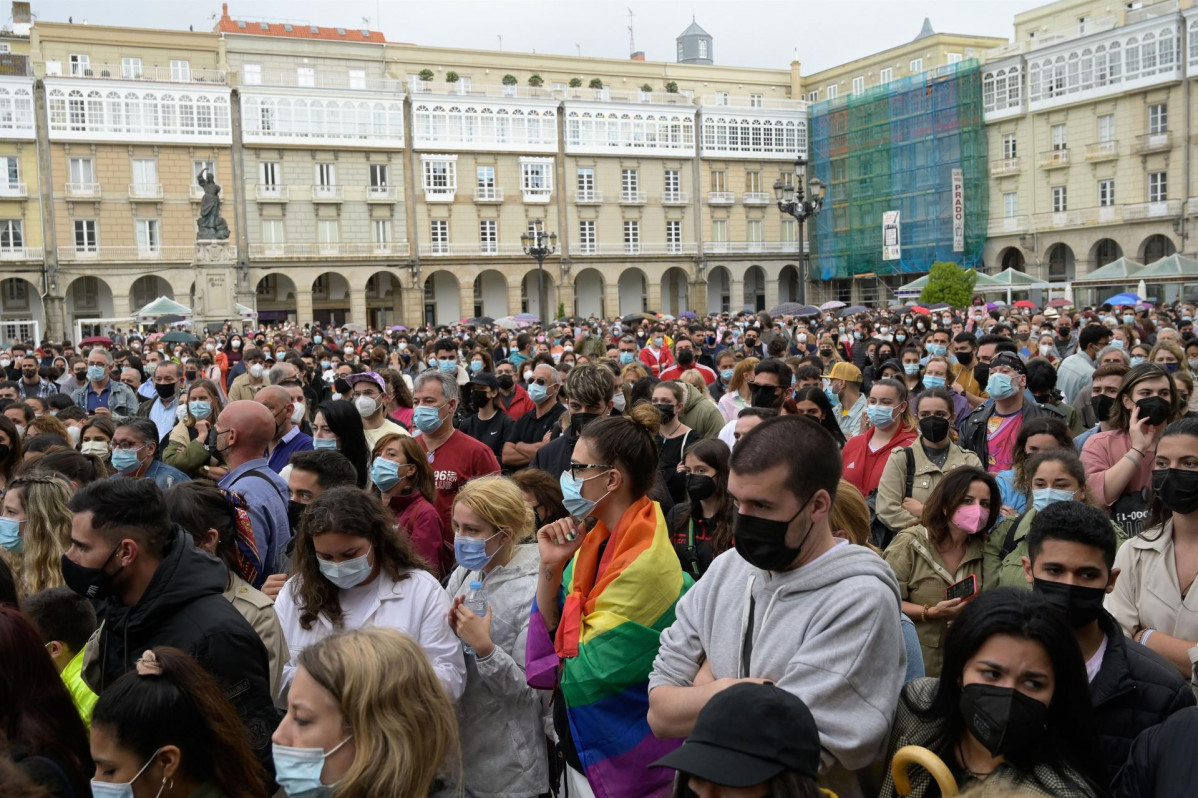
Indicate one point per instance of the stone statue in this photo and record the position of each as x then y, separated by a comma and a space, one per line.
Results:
211, 226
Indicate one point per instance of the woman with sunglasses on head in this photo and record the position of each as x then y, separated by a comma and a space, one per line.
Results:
404, 480
603, 596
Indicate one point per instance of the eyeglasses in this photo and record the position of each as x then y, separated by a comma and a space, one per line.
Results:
576, 467
757, 385
126, 446
540, 381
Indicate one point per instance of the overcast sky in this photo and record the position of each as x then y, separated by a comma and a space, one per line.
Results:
757, 33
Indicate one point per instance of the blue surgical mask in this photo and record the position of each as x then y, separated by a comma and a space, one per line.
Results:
324, 443
471, 553
937, 350
726, 374
856, 335
96, 373
10, 535
1136, 360
1128, 318
384, 474
1043, 497
538, 393
880, 415
476, 366
572, 497
626, 358
105, 789
448, 366
347, 574
125, 460
999, 386
832, 397
326, 364
900, 337
911, 369
200, 410
932, 381
316, 339
427, 419
297, 770
1118, 344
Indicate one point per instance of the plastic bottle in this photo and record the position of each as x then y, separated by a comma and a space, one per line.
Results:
476, 602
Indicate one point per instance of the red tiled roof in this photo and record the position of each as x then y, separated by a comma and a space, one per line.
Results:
226, 24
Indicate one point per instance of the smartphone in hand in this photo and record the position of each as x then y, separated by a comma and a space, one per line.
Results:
966, 589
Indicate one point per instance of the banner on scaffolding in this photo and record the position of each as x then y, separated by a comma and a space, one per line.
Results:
891, 236
958, 211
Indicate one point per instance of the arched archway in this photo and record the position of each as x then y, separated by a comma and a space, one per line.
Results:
442, 298
330, 298
754, 288
89, 297
719, 290
1104, 251
1156, 247
21, 317
383, 300
675, 291
1012, 258
1060, 263
276, 293
146, 289
633, 292
590, 290
490, 294
530, 301
788, 284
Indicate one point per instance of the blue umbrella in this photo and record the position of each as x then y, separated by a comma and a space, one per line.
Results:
1123, 299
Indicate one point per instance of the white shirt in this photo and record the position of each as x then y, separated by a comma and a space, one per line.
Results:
1094, 663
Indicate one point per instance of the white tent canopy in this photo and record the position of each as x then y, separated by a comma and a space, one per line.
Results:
162, 306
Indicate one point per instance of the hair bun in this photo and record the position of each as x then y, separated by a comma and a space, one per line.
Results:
645, 416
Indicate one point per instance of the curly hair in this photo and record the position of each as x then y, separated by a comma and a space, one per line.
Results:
47, 533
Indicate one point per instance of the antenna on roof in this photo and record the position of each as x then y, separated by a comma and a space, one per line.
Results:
631, 36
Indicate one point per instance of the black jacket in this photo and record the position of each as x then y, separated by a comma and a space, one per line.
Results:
1134, 690
554, 457
1162, 762
974, 432
184, 607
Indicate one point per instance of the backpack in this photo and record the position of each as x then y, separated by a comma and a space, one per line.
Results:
880, 534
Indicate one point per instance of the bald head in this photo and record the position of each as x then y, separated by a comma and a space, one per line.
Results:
247, 428
277, 400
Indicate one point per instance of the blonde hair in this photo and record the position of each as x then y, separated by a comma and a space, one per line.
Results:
695, 380
404, 727
47, 530
500, 502
851, 514
633, 372
742, 368
47, 424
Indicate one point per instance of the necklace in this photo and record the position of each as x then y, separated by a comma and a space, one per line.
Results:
964, 766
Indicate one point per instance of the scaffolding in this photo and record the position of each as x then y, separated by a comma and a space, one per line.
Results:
894, 148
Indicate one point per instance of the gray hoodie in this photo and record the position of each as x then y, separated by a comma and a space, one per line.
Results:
828, 632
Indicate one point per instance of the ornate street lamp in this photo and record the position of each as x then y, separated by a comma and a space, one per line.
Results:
540, 245
793, 201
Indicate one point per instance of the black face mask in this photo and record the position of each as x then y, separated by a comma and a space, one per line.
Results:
1081, 604
767, 397
699, 487
1064, 332
4, 451
981, 373
1153, 408
505, 381
667, 412
825, 353
685, 357
964, 358
92, 583
1177, 489
294, 511
479, 398
190, 375
165, 390
934, 428
1101, 404
1002, 719
580, 420
80, 376
762, 542
750, 342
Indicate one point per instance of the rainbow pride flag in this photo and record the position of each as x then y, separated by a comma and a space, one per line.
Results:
614, 608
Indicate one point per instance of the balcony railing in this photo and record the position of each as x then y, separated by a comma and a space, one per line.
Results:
151, 191
1152, 210
756, 198
340, 249
83, 190
158, 74
656, 248
1007, 225
343, 82
751, 101
1152, 142
380, 194
675, 198
328, 193
633, 198
11, 190
749, 246
1051, 159
271, 193
1005, 166
1080, 217
721, 197
20, 253
592, 197
478, 248
126, 253
515, 91
488, 194
1102, 151
439, 194
195, 192
537, 195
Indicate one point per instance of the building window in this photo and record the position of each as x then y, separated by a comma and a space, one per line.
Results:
328, 236
484, 183
440, 176
1010, 146
1158, 118
11, 235
251, 74
719, 231
753, 182
1010, 204
858, 85
886, 75
131, 68
148, 242
813, 97
673, 185
145, 177
380, 174
673, 237
82, 171
326, 175
488, 236
1106, 193
1081, 26
536, 178
832, 91
721, 98
439, 236
1158, 187
1059, 199
305, 76
915, 66
180, 71
269, 173
85, 235
81, 65
586, 184
1106, 128
357, 79
632, 237
953, 58
10, 172
272, 235
1059, 141
586, 237
702, 48
756, 101
203, 166
719, 181
753, 233
629, 185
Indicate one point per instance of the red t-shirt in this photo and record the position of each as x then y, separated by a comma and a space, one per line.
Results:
675, 371
454, 463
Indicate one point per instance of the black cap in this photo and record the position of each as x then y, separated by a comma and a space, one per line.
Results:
747, 734
485, 378
1009, 359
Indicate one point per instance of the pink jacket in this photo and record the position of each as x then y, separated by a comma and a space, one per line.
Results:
1103, 450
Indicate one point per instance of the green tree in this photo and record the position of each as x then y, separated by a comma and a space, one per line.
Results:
646, 87
596, 83
536, 80
575, 82
451, 77
426, 74
561, 310
671, 87
509, 80
948, 282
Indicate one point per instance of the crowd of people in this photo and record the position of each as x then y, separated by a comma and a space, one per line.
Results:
731, 556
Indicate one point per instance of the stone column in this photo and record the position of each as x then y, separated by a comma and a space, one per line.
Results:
771, 292
736, 294
466, 300
357, 305
699, 297
653, 294
303, 303
513, 295
611, 304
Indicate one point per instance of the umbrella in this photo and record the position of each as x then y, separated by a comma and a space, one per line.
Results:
831, 305
169, 318
180, 337
1123, 299
635, 317
96, 340
527, 318
688, 314
1060, 303
807, 311
940, 306
1025, 303
665, 317
919, 309
398, 328
786, 309
849, 311
991, 305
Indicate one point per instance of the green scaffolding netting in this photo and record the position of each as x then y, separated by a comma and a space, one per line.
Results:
894, 148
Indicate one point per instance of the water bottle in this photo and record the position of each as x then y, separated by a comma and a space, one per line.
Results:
476, 602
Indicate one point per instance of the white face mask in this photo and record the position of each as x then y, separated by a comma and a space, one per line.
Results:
297, 415
98, 448
256, 370
366, 405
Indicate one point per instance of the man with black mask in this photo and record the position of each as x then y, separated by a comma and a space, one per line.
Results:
588, 391
746, 618
684, 360
489, 426
771, 380
1071, 557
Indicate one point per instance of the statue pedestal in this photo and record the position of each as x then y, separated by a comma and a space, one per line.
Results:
215, 272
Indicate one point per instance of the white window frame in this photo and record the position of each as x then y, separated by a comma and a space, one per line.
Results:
630, 183
324, 174
438, 236
131, 68
80, 64
12, 235
632, 237
1010, 204
273, 236
305, 76
753, 234
1059, 136
251, 74
1010, 146
1158, 186
269, 173
379, 175
1158, 118
586, 183
488, 236
673, 236
1106, 192
180, 70
756, 101
885, 75
10, 172
380, 230
915, 66
440, 175
672, 180
536, 177
1060, 199
149, 236
1106, 128
833, 90
719, 232
586, 237
858, 84
77, 167
953, 58
703, 50
328, 236
357, 79
87, 233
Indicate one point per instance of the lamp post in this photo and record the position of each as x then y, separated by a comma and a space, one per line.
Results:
540, 245
793, 201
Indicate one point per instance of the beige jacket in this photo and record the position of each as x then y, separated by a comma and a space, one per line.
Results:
927, 476
1147, 595
259, 610
243, 388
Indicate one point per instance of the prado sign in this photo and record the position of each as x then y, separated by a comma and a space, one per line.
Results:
958, 211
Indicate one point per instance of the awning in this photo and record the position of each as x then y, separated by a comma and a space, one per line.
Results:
1173, 268
162, 306
1117, 272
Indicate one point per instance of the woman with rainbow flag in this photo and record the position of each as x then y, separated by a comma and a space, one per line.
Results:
603, 598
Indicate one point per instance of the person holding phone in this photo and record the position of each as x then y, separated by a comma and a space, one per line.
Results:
940, 553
